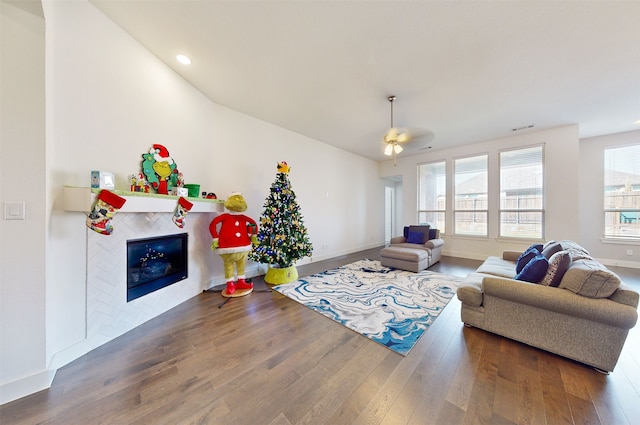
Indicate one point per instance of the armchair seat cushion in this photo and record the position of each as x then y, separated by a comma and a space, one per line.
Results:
405, 253
405, 257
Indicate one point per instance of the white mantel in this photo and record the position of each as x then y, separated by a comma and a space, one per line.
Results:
82, 199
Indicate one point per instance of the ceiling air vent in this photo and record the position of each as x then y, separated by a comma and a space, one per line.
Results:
524, 127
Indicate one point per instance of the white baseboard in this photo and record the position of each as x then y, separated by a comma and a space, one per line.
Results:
333, 254
22, 387
620, 263
467, 255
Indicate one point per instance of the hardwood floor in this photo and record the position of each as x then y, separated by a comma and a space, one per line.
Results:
264, 359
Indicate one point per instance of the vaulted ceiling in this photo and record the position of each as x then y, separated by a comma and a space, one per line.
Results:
462, 71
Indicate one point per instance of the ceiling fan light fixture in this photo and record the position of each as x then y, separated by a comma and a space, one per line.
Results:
394, 137
388, 150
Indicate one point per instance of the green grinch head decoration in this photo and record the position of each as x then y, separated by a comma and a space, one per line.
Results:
235, 202
160, 169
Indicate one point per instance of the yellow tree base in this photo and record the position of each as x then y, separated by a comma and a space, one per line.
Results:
278, 276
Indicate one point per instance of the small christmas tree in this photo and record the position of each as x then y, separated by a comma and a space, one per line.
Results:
282, 236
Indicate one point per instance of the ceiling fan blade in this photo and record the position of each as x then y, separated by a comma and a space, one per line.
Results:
391, 136
403, 137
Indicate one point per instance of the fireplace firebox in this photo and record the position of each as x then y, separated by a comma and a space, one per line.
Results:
154, 263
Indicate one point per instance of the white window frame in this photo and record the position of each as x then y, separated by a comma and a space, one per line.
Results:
624, 217
473, 213
423, 214
521, 212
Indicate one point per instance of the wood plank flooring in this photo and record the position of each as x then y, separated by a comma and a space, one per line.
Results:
264, 359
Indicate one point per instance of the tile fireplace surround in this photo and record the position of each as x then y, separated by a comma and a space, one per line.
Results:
108, 314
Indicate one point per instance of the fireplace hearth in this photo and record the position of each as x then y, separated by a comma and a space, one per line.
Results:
155, 263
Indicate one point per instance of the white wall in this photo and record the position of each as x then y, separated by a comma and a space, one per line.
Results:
107, 101
562, 179
22, 179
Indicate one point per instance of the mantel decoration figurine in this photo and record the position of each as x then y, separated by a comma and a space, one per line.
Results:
282, 239
160, 169
233, 236
138, 183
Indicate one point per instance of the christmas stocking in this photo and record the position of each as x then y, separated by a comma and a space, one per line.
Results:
183, 207
107, 204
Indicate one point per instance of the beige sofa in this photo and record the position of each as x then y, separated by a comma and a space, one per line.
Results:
585, 318
406, 254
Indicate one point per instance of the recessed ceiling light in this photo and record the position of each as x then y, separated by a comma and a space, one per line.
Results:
183, 59
638, 122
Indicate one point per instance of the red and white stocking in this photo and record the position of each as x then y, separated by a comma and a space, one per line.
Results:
107, 204
183, 207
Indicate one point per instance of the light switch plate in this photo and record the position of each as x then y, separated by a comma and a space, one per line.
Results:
14, 210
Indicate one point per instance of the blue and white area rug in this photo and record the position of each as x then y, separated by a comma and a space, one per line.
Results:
390, 306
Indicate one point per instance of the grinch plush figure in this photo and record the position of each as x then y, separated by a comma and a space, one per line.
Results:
233, 234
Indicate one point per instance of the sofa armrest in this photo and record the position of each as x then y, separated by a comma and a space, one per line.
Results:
626, 295
398, 239
562, 301
470, 290
511, 255
434, 243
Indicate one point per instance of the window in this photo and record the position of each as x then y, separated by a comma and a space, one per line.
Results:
622, 192
432, 194
522, 193
470, 196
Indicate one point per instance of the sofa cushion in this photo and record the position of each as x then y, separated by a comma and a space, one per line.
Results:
571, 245
535, 269
415, 237
576, 251
405, 252
559, 263
433, 233
410, 246
526, 256
589, 278
497, 267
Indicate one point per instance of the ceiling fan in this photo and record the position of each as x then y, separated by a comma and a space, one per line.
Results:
394, 137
